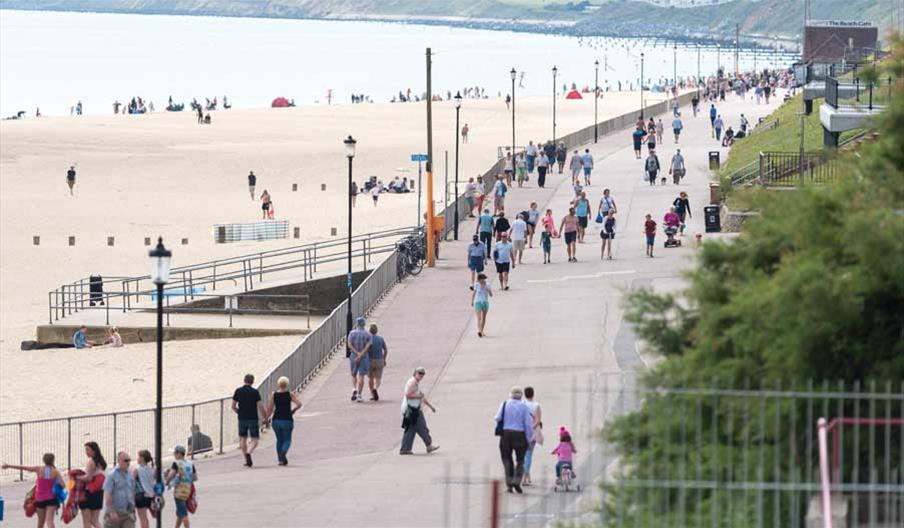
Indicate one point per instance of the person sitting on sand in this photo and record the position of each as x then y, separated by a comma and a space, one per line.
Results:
80, 338
114, 339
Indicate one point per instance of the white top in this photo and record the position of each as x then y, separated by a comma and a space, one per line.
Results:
519, 229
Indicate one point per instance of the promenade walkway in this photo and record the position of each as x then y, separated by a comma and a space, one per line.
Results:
559, 328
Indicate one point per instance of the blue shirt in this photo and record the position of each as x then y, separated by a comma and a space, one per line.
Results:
712, 112
80, 340
486, 223
377, 344
503, 252
358, 339
478, 250
582, 207
517, 418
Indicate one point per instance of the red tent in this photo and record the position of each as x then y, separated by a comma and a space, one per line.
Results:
574, 94
280, 102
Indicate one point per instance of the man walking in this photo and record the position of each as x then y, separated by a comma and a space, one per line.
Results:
246, 403
502, 256
413, 420
252, 181
378, 352
582, 210
575, 166
712, 115
676, 167
717, 126
587, 163
677, 125
485, 226
652, 167
477, 254
359, 341
518, 234
517, 432
119, 494
70, 179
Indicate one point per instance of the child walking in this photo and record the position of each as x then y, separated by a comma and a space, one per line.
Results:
480, 299
546, 242
649, 229
564, 454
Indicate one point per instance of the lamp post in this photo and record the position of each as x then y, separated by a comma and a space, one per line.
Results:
457, 111
555, 72
350, 154
596, 98
641, 85
514, 73
675, 64
160, 271
698, 68
718, 61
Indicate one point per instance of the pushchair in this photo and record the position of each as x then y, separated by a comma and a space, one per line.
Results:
670, 240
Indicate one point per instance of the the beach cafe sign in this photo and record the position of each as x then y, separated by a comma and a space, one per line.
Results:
840, 23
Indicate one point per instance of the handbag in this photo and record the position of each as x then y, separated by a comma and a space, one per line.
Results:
182, 491
499, 424
599, 218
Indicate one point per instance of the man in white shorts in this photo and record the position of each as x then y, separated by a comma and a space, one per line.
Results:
518, 234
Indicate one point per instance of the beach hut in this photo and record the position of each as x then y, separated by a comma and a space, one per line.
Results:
280, 102
574, 94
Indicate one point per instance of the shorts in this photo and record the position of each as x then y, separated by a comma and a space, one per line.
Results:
475, 264
481, 306
469, 200
375, 370
52, 503
518, 245
359, 368
651, 240
181, 508
582, 221
141, 501
502, 267
570, 237
249, 428
605, 235
93, 501
677, 131
587, 171
265, 206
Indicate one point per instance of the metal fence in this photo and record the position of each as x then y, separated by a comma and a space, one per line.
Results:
253, 231
859, 94
793, 168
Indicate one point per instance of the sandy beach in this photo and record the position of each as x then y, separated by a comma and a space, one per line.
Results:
163, 174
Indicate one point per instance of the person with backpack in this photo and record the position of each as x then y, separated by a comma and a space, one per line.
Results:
184, 473
651, 166
607, 234
46, 478
499, 190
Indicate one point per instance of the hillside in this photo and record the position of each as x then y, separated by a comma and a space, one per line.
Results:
763, 18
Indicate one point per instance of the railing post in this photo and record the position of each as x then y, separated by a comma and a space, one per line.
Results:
107, 305
166, 298
364, 254
81, 294
191, 285
69, 443
114, 434
192, 437
214, 275
260, 267
21, 452
871, 84
222, 405
125, 295
50, 307
184, 293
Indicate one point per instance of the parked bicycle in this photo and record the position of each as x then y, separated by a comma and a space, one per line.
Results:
412, 254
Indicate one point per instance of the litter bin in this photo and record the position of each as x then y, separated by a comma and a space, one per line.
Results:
711, 219
714, 160
96, 288
715, 193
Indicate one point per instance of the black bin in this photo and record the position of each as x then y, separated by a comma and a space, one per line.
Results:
711, 219
714, 160
221, 234
96, 288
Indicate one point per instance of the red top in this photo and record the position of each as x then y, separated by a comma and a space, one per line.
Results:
649, 227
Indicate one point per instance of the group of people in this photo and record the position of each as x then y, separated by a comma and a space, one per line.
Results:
136, 105
651, 133
268, 210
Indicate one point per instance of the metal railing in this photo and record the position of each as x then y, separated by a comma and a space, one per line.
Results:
746, 174
792, 168
231, 305
764, 125
858, 94
240, 273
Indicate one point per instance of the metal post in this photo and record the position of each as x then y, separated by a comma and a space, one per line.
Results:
191, 438
596, 98
430, 214
222, 405
348, 280
419, 172
800, 166
69, 443
675, 64
825, 489
555, 72
114, 433
446, 180
21, 453
457, 134
158, 412
513, 114
641, 85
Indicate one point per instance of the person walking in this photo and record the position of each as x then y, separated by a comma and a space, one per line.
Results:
515, 429
518, 236
637, 136
676, 167
561, 154
649, 231
119, 494
717, 126
531, 152
252, 182
501, 226
536, 414
542, 167
607, 234
683, 210
521, 169
480, 300
184, 474
587, 163
282, 407
499, 190
607, 203
659, 131
582, 210
712, 115
695, 103
359, 362
477, 254
46, 477
485, 226
246, 404
413, 420
94, 491
575, 165
378, 353
464, 133
569, 227
502, 256
143, 474
677, 126
70, 179
533, 217
652, 167
471, 196
508, 168
266, 205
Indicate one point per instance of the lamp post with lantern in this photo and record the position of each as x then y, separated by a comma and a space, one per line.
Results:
350, 154
457, 133
160, 272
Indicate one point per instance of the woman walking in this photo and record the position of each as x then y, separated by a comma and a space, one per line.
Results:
283, 405
480, 299
683, 209
542, 167
94, 486
652, 167
537, 416
561, 154
46, 477
533, 217
608, 234
266, 205
144, 486
508, 168
569, 227
521, 169
185, 475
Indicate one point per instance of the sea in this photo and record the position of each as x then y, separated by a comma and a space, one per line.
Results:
52, 60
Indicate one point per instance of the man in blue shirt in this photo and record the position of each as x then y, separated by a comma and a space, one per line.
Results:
502, 255
477, 254
359, 341
582, 210
485, 230
517, 434
378, 352
80, 338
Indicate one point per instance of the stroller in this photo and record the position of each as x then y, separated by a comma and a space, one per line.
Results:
670, 240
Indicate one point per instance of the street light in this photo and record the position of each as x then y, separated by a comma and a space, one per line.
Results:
641, 85
350, 154
675, 65
457, 110
596, 98
160, 272
555, 71
514, 73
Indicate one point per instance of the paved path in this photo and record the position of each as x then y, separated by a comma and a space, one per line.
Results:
560, 326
